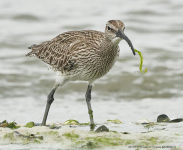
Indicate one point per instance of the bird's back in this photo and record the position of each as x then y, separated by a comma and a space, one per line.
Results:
79, 53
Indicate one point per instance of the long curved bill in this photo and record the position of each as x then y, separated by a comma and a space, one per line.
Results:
121, 34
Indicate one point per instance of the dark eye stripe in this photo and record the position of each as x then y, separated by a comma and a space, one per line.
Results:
110, 29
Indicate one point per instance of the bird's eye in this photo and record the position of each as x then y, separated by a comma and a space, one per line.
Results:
108, 28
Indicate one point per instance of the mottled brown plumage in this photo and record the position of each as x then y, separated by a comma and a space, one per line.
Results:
81, 55
76, 52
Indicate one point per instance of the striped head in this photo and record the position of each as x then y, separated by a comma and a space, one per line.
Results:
115, 32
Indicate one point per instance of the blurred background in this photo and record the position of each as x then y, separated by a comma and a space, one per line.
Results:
154, 27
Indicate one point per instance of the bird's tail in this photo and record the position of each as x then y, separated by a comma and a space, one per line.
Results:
32, 53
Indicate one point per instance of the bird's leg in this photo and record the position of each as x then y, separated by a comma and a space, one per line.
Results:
90, 111
49, 101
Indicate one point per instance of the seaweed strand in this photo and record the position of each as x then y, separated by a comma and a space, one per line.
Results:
141, 62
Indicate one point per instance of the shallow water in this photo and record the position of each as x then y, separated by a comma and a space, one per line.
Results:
155, 29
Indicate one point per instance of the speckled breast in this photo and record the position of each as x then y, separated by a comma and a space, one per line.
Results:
98, 65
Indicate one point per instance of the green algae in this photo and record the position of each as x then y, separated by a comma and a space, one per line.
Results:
30, 125
90, 112
11, 125
103, 141
96, 142
84, 124
28, 141
165, 120
51, 133
37, 141
92, 126
115, 121
55, 127
4, 121
151, 142
75, 122
91, 142
10, 136
150, 125
25, 139
71, 135
90, 145
141, 62
110, 141
71, 122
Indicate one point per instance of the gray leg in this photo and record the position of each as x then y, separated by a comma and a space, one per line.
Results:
90, 111
49, 101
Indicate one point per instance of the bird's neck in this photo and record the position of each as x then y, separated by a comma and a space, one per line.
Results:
110, 48
113, 41
116, 40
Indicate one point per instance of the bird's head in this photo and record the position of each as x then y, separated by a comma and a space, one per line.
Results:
115, 32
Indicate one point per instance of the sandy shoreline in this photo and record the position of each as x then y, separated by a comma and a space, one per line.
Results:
156, 136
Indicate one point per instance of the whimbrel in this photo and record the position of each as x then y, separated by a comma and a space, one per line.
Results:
81, 55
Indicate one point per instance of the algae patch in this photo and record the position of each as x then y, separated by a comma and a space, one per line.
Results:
71, 122
84, 124
11, 125
52, 133
151, 141
141, 61
15, 137
75, 122
96, 142
10, 136
150, 125
30, 124
72, 136
115, 121
55, 127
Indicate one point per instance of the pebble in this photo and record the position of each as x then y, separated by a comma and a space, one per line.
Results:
163, 118
102, 129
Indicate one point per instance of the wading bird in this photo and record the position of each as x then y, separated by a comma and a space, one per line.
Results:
81, 55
